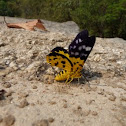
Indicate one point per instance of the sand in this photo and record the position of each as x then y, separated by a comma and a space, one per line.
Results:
29, 96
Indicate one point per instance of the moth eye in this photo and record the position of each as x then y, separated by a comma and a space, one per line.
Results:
88, 48
76, 53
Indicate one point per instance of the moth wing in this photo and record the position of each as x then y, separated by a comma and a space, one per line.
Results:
82, 45
59, 57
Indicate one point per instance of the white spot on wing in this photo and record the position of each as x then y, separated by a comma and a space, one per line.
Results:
82, 54
74, 47
72, 53
76, 53
80, 40
76, 41
80, 48
71, 47
83, 46
88, 48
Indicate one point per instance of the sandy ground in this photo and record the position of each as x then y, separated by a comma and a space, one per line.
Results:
29, 96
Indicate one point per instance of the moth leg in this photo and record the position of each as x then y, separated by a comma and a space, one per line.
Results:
67, 79
70, 80
78, 80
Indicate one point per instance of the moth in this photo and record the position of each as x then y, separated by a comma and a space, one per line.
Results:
71, 62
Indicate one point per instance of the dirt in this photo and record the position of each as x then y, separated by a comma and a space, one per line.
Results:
29, 95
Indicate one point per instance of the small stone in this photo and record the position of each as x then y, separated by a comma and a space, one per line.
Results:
94, 113
9, 93
88, 102
112, 98
51, 120
64, 100
123, 98
7, 85
65, 106
52, 102
42, 122
101, 92
1, 119
23, 103
23, 94
94, 88
9, 120
79, 107
48, 79
87, 112
87, 88
34, 87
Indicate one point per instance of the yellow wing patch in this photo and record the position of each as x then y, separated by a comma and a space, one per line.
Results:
71, 66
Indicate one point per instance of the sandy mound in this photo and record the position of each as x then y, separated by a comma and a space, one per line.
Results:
29, 96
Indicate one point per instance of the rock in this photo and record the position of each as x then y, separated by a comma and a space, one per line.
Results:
52, 102
23, 94
1, 119
79, 107
7, 85
9, 93
123, 98
48, 79
88, 102
97, 58
94, 113
42, 122
23, 103
9, 120
34, 87
51, 120
6, 71
65, 106
112, 98
86, 112
87, 88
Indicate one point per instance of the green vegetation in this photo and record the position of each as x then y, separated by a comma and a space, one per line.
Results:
104, 18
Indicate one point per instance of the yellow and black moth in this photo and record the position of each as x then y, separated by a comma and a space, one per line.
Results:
72, 61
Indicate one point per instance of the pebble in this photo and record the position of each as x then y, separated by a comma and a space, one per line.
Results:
9, 120
42, 122
9, 93
52, 102
1, 119
87, 88
23, 103
34, 87
65, 106
123, 98
88, 102
112, 98
101, 92
94, 113
51, 120
23, 94
87, 112
79, 107
7, 85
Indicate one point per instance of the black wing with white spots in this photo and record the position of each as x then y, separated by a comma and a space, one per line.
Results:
82, 45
